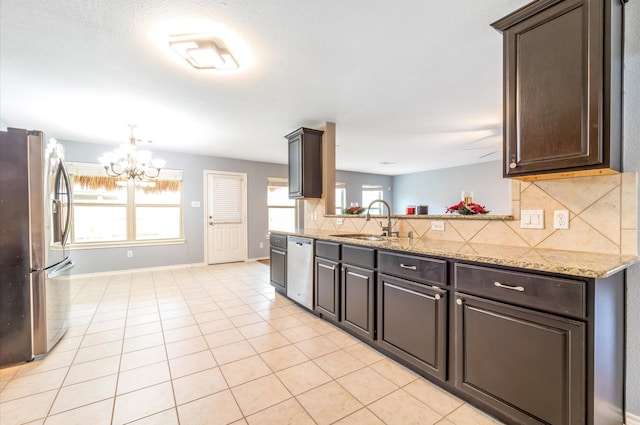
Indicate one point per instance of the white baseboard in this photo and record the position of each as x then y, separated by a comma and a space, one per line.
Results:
139, 270
148, 269
632, 419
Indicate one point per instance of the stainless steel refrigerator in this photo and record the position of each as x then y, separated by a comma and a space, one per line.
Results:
35, 223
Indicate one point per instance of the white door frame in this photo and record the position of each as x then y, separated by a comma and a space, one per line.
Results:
205, 185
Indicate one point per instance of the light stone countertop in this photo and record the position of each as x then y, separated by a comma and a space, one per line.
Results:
573, 263
428, 216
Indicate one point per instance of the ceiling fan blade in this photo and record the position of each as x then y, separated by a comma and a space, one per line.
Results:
491, 136
488, 154
480, 147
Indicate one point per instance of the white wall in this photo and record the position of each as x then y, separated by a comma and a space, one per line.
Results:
632, 163
440, 189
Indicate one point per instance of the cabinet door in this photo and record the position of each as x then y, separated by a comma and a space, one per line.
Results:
327, 288
412, 323
357, 300
554, 100
305, 163
295, 166
278, 269
529, 365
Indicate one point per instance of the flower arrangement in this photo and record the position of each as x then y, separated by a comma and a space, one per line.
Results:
467, 208
355, 210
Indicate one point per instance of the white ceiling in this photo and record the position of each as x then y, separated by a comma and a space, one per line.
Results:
417, 83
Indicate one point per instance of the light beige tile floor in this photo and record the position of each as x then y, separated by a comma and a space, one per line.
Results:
213, 345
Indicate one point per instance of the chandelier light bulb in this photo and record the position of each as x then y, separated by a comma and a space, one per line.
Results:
129, 162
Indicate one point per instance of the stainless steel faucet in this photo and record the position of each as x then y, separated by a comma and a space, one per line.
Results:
386, 229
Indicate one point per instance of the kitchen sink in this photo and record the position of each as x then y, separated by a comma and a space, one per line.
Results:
361, 236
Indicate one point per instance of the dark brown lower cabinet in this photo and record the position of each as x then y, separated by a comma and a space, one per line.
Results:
278, 269
529, 348
526, 364
412, 323
278, 261
328, 289
357, 301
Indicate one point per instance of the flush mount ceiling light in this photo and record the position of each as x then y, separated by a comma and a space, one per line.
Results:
203, 52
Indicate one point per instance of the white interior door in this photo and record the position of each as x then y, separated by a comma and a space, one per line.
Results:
226, 217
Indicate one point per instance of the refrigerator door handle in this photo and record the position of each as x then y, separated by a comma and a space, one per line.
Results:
67, 225
53, 266
56, 208
60, 268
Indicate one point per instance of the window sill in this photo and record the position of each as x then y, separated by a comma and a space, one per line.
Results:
125, 244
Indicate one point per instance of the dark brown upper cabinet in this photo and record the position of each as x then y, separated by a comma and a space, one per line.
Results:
305, 163
562, 88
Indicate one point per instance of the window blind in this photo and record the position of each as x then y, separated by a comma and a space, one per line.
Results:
226, 199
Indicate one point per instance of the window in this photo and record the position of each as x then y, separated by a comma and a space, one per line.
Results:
341, 197
371, 193
111, 209
282, 210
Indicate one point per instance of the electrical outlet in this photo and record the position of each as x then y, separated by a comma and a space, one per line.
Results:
561, 219
338, 221
129, 253
532, 219
315, 216
261, 244
437, 225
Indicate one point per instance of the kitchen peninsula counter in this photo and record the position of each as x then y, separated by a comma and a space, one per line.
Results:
433, 305
574, 263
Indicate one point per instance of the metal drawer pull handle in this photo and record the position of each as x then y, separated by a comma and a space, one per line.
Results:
437, 297
459, 301
408, 267
513, 288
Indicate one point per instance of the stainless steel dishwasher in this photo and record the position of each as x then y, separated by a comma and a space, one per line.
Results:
300, 253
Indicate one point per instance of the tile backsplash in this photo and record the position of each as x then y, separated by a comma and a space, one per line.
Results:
603, 213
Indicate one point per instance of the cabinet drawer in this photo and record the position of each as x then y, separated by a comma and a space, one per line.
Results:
551, 294
359, 256
279, 240
419, 269
328, 250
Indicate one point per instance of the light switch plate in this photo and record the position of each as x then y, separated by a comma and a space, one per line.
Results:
532, 219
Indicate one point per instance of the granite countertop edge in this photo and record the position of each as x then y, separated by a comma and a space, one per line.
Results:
428, 216
572, 263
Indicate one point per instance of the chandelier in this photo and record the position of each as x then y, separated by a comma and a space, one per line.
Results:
130, 162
